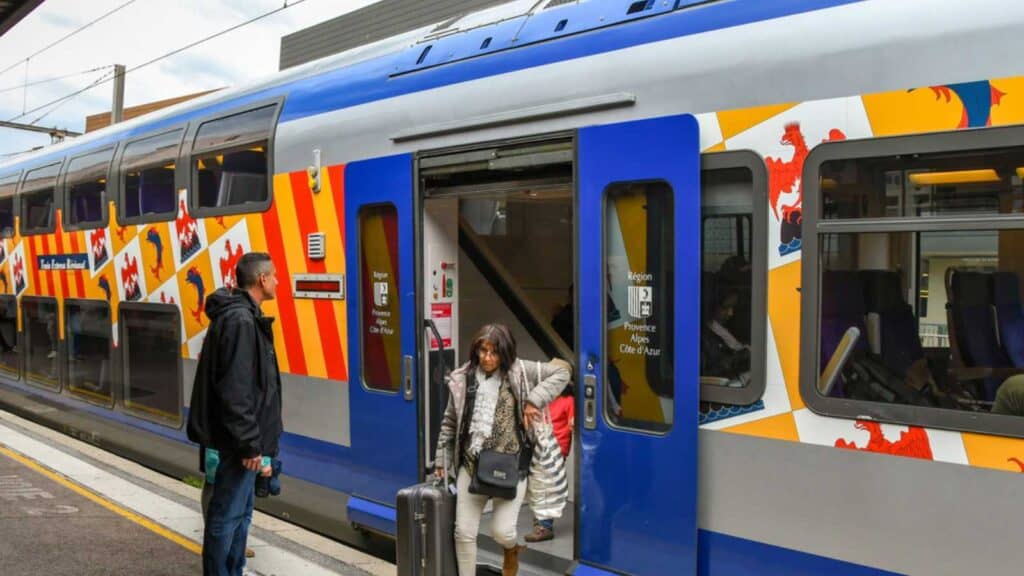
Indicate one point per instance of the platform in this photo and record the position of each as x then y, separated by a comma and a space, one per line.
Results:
67, 508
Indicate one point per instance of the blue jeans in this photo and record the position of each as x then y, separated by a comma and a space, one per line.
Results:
228, 519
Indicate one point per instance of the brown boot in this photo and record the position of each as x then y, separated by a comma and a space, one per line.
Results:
510, 567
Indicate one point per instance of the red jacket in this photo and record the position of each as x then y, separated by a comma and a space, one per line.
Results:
563, 411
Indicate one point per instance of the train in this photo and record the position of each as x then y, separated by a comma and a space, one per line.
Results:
778, 242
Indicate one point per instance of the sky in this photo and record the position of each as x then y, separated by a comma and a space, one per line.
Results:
143, 30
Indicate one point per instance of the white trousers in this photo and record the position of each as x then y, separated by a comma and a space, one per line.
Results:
468, 510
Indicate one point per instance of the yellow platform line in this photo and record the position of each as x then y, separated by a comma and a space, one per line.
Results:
115, 508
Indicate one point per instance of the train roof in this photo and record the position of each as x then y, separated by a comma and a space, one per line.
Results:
509, 37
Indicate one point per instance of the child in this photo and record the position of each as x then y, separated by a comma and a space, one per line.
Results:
563, 412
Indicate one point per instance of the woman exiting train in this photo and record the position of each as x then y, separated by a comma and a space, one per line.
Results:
492, 405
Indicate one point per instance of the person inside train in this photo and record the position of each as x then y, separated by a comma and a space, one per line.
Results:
563, 417
236, 408
483, 437
723, 354
1010, 397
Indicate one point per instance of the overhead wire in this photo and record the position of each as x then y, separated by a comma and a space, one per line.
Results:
66, 36
54, 79
108, 77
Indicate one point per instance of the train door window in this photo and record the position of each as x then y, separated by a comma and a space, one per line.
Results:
10, 355
151, 349
88, 347
231, 163
85, 190
147, 170
42, 341
37, 200
733, 262
638, 254
379, 304
8, 186
912, 281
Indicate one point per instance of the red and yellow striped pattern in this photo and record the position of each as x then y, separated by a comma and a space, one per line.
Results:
310, 335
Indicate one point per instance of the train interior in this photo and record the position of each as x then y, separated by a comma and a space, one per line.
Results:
498, 241
927, 318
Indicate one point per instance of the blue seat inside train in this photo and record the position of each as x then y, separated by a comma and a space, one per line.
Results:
156, 191
1009, 316
244, 178
972, 324
842, 307
86, 204
895, 327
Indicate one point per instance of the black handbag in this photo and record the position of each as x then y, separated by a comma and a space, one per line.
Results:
498, 473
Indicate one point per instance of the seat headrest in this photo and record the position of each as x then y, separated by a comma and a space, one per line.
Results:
883, 290
970, 289
1005, 289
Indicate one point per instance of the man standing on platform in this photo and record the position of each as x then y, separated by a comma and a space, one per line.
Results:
236, 407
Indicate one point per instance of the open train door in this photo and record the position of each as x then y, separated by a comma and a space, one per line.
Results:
382, 336
639, 321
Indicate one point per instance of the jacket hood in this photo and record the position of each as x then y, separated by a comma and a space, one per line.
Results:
224, 299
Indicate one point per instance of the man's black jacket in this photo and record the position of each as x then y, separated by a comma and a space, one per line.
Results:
236, 396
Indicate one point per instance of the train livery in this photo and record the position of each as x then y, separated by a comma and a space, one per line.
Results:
777, 240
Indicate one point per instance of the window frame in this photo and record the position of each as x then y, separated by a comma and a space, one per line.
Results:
65, 191
54, 205
815, 226
17, 373
359, 279
194, 153
125, 372
27, 376
15, 205
752, 161
118, 169
83, 303
610, 419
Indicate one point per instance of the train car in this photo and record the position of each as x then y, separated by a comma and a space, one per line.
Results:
779, 242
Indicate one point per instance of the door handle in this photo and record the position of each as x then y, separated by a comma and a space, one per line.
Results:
590, 402
407, 368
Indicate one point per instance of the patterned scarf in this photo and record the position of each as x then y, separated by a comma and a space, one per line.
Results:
486, 403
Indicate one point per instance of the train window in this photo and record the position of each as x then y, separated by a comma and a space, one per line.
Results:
85, 191
151, 351
8, 185
638, 253
88, 342
10, 356
380, 319
973, 183
230, 162
148, 191
912, 308
37, 196
41, 323
733, 262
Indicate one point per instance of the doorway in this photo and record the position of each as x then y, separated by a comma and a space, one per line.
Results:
498, 247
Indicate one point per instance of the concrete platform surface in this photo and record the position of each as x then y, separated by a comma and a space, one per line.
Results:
68, 508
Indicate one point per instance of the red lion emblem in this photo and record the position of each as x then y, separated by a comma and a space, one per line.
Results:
19, 274
913, 442
228, 263
784, 176
130, 279
98, 245
188, 232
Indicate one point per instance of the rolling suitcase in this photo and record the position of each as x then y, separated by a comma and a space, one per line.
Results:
426, 527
